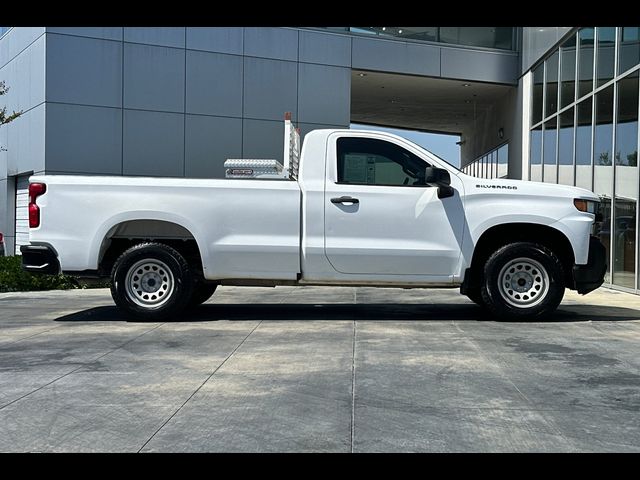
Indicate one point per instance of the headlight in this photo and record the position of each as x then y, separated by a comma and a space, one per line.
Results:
588, 206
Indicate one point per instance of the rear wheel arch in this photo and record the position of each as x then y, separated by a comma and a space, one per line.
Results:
126, 234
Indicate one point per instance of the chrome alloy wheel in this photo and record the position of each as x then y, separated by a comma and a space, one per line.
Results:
523, 282
149, 283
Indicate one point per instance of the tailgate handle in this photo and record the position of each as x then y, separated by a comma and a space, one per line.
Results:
345, 200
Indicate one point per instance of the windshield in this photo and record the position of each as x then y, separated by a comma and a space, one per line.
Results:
437, 156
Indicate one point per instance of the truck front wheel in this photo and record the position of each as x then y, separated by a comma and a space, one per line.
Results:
151, 281
523, 281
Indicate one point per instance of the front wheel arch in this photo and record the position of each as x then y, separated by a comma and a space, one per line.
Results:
499, 235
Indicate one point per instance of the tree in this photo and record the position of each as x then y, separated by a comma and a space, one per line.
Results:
4, 118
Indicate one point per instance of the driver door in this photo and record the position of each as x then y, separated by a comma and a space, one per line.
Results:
381, 218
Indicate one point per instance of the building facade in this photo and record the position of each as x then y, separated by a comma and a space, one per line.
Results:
549, 104
582, 129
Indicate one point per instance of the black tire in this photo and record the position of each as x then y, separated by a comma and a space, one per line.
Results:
475, 296
157, 272
522, 281
201, 293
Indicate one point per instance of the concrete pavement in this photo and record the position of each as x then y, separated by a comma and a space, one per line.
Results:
318, 369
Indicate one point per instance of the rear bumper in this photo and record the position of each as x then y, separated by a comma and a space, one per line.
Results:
39, 259
587, 278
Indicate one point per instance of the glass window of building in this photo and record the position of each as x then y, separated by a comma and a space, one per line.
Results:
536, 100
629, 48
603, 165
550, 173
503, 160
495, 163
490, 37
603, 127
568, 72
583, 144
626, 183
535, 154
585, 60
606, 54
565, 148
551, 85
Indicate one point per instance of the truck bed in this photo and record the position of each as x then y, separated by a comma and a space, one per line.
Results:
250, 227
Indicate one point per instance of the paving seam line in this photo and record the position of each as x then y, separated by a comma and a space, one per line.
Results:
353, 386
29, 336
83, 364
201, 385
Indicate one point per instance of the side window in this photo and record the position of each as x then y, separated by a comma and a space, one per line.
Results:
369, 161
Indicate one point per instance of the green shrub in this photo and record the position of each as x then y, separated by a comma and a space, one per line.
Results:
14, 279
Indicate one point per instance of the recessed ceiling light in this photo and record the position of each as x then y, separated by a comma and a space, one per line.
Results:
362, 74
466, 84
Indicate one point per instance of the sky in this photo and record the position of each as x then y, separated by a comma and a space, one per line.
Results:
442, 145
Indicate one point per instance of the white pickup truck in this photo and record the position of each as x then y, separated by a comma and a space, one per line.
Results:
359, 208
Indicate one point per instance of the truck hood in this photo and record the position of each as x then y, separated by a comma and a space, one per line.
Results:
474, 186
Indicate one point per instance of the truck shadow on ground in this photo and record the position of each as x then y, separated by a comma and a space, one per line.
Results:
374, 311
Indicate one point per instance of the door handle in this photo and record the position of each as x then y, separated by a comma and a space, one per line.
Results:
345, 200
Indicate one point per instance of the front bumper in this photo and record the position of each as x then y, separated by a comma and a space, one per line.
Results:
587, 278
39, 259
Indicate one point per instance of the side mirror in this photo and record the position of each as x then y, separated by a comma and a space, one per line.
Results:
441, 178
437, 176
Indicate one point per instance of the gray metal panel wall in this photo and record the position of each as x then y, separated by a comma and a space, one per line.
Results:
434, 60
269, 42
208, 92
216, 39
209, 141
153, 144
182, 100
324, 94
154, 78
106, 33
394, 56
162, 36
84, 71
26, 142
270, 88
478, 65
83, 139
22, 67
325, 49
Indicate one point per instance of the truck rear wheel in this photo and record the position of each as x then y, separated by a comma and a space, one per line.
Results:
523, 281
151, 281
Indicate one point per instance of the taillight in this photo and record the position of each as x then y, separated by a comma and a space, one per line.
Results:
1, 238
35, 190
